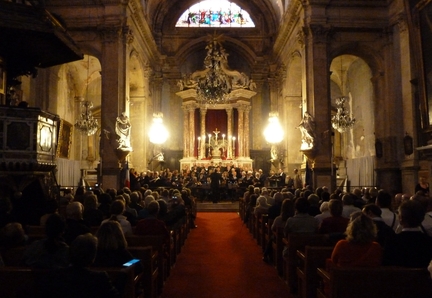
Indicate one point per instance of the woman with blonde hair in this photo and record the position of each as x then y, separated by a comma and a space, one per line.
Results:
112, 246
359, 249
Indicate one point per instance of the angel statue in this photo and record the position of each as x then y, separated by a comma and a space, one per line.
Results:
122, 130
307, 126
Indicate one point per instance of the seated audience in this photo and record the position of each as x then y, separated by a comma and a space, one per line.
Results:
51, 252
314, 206
301, 222
75, 225
77, 280
359, 248
92, 215
411, 247
348, 206
117, 209
384, 231
105, 204
112, 246
262, 206
384, 201
151, 225
335, 225
325, 212
13, 235
51, 207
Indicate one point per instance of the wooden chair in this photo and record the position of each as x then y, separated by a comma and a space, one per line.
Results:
293, 243
149, 279
310, 259
395, 282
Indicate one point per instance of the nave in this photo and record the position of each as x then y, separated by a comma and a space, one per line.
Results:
221, 259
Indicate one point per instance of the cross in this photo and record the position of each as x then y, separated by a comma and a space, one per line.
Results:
216, 132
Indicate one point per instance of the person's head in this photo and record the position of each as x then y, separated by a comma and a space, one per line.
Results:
262, 201
372, 210
135, 197
74, 211
278, 198
12, 235
383, 199
153, 208
361, 229
90, 202
325, 197
110, 236
347, 199
148, 199
357, 192
55, 226
287, 209
313, 200
335, 207
117, 207
82, 251
301, 205
411, 214
324, 207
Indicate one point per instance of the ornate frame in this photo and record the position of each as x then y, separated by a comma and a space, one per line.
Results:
64, 139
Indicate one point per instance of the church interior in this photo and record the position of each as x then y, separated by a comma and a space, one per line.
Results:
346, 82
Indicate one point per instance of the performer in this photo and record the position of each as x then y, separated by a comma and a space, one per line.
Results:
215, 179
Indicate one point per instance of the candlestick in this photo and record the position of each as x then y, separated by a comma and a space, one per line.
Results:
233, 139
199, 146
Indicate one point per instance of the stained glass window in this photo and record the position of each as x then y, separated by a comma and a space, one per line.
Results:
215, 13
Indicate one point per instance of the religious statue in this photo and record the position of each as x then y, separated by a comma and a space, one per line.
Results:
307, 126
122, 130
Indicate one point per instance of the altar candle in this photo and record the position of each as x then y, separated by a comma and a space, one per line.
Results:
199, 142
223, 138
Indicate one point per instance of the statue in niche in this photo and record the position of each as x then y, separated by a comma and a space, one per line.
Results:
122, 130
307, 128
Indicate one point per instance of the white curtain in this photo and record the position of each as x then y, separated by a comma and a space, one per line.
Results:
68, 172
361, 171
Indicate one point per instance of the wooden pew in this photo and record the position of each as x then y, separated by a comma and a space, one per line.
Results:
293, 243
395, 282
311, 258
25, 282
158, 244
149, 279
13, 256
278, 246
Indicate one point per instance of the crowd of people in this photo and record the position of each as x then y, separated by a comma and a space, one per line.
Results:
368, 226
97, 221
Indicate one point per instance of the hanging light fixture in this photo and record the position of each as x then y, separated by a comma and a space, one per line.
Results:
87, 124
158, 134
273, 133
342, 120
214, 85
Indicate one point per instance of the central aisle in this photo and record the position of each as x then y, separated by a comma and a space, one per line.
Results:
221, 259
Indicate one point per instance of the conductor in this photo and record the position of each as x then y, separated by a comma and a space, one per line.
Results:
215, 179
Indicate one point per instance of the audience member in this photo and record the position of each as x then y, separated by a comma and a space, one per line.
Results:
335, 224
51, 207
117, 209
75, 225
384, 232
301, 222
78, 280
314, 206
359, 248
325, 212
92, 215
384, 201
112, 246
348, 206
261, 207
51, 252
411, 247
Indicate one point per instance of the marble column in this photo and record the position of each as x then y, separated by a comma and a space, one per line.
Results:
318, 105
113, 65
246, 132
229, 131
191, 131
185, 132
241, 134
203, 113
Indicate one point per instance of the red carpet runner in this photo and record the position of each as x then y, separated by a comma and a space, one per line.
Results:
221, 259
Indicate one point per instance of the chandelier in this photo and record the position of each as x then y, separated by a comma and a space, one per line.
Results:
214, 86
86, 124
273, 133
342, 120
